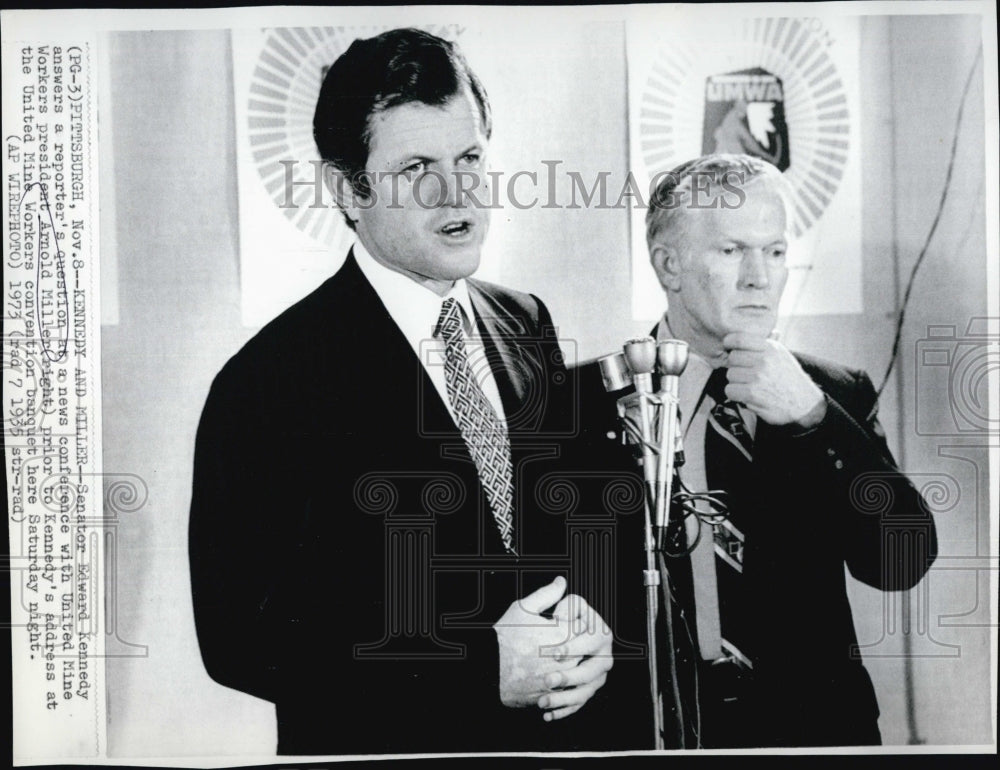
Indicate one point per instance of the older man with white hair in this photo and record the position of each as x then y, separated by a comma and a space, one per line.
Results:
790, 449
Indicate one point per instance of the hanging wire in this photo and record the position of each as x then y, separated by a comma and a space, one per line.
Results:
937, 218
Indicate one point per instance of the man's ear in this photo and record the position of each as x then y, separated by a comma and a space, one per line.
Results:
340, 188
666, 263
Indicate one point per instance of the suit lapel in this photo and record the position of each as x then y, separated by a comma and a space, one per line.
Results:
380, 346
384, 359
510, 361
390, 375
410, 430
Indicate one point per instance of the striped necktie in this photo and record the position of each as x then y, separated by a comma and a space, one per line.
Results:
728, 468
483, 432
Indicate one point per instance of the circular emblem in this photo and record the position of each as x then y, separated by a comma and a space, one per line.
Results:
764, 87
283, 88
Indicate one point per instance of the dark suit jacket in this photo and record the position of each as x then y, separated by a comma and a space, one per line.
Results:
345, 564
829, 498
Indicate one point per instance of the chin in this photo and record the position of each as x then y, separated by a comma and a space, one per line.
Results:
461, 265
760, 326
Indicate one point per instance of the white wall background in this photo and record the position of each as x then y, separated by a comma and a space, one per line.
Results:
559, 95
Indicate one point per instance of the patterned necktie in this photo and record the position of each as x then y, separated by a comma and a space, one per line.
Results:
728, 467
483, 432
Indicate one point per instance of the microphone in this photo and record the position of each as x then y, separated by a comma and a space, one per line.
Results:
671, 360
617, 377
640, 353
614, 372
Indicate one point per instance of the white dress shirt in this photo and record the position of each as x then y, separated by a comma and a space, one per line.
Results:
694, 422
416, 310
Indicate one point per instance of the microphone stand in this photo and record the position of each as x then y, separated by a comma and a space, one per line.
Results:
657, 437
640, 354
671, 360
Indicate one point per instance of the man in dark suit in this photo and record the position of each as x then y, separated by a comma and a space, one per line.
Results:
367, 550
766, 648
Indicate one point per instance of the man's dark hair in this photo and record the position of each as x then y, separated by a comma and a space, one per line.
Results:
372, 75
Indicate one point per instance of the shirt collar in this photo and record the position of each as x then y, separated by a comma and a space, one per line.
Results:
700, 362
693, 379
415, 308
692, 383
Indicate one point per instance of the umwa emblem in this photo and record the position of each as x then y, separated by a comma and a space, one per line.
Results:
754, 86
745, 113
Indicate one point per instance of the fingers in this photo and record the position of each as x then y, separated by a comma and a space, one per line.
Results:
581, 616
741, 393
741, 375
570, 653
566, 698
563, 655
759, 362
589, 643
594, 639
570, 607
588, 671
565, 702
580, 685
550, 716
585, 635
743, 359
540, 600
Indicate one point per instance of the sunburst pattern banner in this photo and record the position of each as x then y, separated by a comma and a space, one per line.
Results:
785, 89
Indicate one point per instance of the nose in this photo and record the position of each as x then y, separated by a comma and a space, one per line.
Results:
454, 195
753, 270
458, 184
441, 189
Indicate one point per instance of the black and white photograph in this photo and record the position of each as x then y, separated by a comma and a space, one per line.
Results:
579, 383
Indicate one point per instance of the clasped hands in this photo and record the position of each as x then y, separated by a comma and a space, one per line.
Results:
556, 664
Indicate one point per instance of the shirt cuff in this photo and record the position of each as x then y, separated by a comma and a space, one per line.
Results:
813, 419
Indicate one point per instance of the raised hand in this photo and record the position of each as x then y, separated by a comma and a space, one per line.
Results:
765, 376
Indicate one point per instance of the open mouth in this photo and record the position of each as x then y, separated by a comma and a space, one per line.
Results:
456, 229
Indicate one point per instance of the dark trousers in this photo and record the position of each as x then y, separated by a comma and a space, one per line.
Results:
723, 719
733, 714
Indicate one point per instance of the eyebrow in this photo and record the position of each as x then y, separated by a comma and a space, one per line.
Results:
408, 159
415, 157
727, 239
